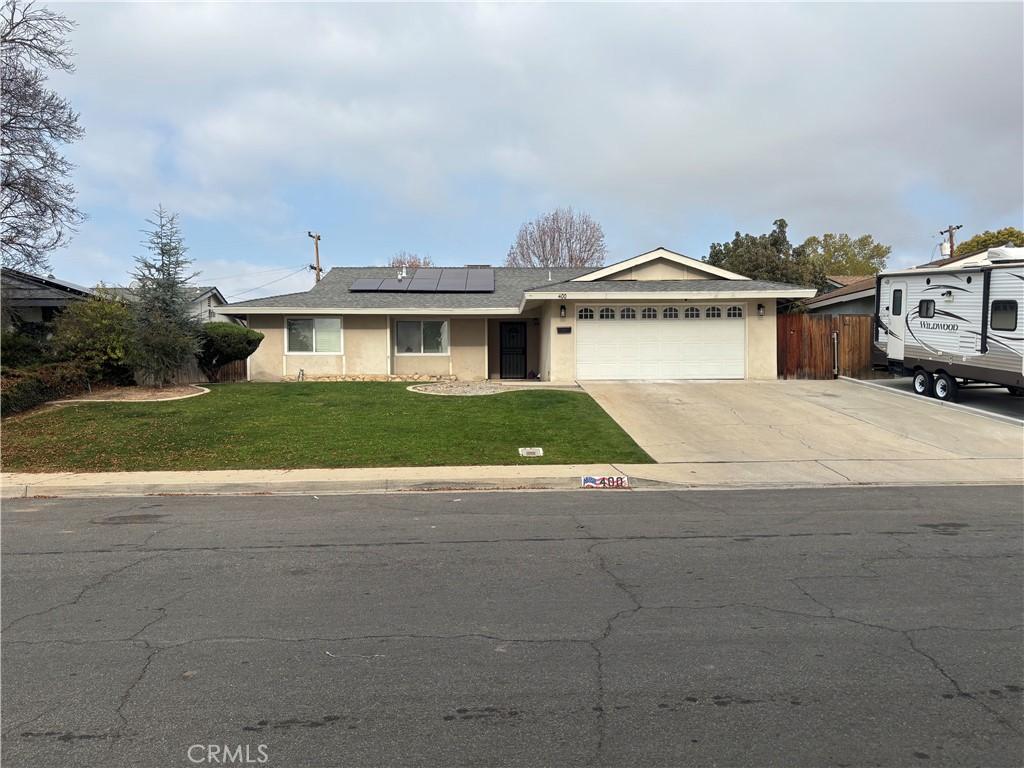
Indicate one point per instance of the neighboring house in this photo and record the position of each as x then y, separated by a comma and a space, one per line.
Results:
659, 315
204, 300
835, 282
855, 298
29, 298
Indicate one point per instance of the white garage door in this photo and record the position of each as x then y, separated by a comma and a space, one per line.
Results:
661, 342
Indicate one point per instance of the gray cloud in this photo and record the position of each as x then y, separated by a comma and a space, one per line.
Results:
852, 118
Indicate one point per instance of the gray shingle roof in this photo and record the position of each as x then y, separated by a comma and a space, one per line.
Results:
657, 286
333, 291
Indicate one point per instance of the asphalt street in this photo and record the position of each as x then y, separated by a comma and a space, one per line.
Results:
831, 627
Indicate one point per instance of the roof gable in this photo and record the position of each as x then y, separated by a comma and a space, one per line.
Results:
607, 273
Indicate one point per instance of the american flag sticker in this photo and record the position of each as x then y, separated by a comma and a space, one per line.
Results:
604, 481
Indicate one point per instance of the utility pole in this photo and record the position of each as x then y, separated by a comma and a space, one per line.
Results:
952, 228
315, 266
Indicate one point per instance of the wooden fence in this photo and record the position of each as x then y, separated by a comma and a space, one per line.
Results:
189, 373
808, 350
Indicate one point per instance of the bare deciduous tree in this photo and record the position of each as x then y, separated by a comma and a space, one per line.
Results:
409, 260
562, 238
37, 204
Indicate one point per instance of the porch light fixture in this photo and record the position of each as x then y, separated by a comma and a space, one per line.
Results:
760, 310
561, 311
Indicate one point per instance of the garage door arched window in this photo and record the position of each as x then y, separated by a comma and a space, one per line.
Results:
649, 313
627, 313
606, 313
692, 313
713, 312
670, 313
734, 311
585, 313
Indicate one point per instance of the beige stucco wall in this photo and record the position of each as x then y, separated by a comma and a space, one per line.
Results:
659, 269
560, 349
762, 362
366, 344
266, 363
432, 365
467, 342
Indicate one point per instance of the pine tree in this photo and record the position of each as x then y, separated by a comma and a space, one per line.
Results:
166, 332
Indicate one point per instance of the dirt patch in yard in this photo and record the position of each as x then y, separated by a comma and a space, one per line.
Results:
136, 394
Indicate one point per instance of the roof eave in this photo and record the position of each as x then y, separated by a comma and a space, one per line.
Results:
788, 293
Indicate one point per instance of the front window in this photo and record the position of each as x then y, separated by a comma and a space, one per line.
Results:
1004, 315
320, 335
421, 337
649, 313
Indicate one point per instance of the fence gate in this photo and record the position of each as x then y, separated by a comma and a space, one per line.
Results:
824, 346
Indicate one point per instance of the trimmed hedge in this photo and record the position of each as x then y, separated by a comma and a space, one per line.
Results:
21, 389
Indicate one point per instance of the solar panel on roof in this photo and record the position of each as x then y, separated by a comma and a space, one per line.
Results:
394, 285
367, 284
452, 281
480, 280
424, 284
425, 272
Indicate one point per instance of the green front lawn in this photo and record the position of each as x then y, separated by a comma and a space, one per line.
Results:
293, 425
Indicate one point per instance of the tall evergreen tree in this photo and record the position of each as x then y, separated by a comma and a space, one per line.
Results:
166, 332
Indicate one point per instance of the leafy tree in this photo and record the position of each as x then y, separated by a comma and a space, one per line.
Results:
166, 333
562, 238
989, 239
767, 257
409, 261
223, 343
97, 335
843, 255
37, 203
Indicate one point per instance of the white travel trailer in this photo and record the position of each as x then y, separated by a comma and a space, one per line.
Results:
961, 321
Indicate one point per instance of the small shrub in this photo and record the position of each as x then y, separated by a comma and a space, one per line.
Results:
27, 388
96, 334
223, 343
19, 349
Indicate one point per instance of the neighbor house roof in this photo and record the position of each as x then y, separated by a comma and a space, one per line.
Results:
841, 281
25, 289
195, 292
858, 290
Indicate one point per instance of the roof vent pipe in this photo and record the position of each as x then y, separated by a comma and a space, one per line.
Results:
549, 274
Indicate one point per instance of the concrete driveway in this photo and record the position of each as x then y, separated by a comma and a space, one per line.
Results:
796, 427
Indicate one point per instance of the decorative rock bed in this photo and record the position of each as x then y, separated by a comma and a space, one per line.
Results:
470, 388
376, 377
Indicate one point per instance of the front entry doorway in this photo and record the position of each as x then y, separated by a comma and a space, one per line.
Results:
512, 336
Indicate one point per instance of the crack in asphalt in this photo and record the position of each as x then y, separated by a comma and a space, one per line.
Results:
87, 588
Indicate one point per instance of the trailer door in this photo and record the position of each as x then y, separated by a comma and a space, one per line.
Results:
897, 320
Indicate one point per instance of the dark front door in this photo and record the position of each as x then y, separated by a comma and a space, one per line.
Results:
513, 350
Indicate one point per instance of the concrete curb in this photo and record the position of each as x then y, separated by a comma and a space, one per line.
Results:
202, 391
936, 401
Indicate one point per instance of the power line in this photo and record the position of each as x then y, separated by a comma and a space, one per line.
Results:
248, 274
277, 280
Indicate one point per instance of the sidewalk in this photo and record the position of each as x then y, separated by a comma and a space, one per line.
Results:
751, 474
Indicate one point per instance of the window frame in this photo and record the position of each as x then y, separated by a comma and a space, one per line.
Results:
930, 303
674, 313
896, 303
709, 316
624, 310
992, 314
692, 313
341, 335
649, 313
729, 312
601, 313
581, 310
445, 336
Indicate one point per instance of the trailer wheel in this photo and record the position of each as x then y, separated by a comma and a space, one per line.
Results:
923, 383
1016, 391
946, 388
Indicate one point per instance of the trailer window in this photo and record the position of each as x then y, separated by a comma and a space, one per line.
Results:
897, 301
1004, 315
926, 308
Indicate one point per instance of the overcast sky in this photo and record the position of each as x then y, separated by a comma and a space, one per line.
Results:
439, 129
